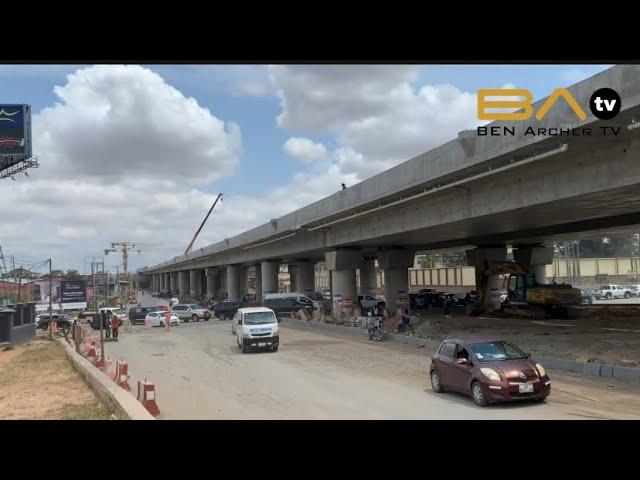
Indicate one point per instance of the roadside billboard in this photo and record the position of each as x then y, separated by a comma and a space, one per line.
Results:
73, 294
15, 132
65, 295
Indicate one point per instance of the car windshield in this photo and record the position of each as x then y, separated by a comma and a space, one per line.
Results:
194, 307
604, 287
153, 309
496, 351
259, 318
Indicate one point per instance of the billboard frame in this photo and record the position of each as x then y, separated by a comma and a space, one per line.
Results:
18, 162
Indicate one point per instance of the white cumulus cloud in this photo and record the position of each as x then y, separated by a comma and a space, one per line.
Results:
115, 120
304, 149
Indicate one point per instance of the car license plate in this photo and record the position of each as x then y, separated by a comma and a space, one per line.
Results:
262, 344
526, 388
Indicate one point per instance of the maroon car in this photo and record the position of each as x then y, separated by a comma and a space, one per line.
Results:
489, 369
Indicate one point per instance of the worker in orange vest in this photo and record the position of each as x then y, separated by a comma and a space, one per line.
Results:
115, 325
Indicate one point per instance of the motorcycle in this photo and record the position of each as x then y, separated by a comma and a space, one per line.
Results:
374, 329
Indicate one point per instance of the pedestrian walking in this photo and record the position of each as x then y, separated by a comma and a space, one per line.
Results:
447, 307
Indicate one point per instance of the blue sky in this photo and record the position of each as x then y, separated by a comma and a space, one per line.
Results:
342, 123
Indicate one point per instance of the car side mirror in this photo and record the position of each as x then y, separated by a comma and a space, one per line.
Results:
462, 361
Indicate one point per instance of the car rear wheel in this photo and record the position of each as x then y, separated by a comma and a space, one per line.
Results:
627, 294
435, 383
477, 395
608, 296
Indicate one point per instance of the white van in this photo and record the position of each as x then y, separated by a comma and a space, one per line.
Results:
300, 297
256, 327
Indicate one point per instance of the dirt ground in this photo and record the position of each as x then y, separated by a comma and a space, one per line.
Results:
37, 382
614, 341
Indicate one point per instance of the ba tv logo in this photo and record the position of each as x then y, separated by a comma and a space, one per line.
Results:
604, 104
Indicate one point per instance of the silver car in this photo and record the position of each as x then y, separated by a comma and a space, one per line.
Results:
191, 312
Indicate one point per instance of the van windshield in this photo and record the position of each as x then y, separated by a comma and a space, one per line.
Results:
259, 318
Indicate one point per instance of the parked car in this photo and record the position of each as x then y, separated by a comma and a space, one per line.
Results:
256, 327
138, 314
282, 306
491, 370
461, 300
155, 294
635, 290
608, 292
587, 298
159, 319
226, 309
63, 320
367, 302
191, 312
299, 297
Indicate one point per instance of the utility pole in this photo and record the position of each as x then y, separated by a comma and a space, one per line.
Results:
19, 284
50, 301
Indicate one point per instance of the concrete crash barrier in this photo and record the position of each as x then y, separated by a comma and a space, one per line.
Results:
147, 397
559, 364
122, 402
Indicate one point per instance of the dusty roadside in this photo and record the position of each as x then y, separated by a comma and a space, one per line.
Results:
612, 341
37, 382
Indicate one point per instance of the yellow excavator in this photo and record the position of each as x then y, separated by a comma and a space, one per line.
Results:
530, 299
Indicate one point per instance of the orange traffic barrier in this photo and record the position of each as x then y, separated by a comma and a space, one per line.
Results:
147, 397
91, 352
111, 374
122, 372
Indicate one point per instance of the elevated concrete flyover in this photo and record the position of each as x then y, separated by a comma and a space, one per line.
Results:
474, 190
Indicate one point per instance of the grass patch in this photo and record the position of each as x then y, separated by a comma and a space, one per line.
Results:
41, 383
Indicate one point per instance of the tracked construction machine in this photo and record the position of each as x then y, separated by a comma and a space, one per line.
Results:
529, 299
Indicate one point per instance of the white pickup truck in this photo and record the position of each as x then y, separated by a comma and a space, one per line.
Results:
608, 292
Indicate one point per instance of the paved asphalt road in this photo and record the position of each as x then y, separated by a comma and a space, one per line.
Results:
200, 373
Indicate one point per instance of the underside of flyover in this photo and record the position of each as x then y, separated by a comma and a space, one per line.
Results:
474, 191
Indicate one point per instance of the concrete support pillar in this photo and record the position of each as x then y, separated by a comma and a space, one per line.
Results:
173, 281
213, 281
343, 285
194, 282
183, 282
484, 259
293, 280
342, 265
244, 281
368, 276
535, 260
222, 291
258, 282
154, 282
305, 278
167, 282
234, 272
396, 264
269, 271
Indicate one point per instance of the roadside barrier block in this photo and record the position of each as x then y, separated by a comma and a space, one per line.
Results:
626, 373
606, 371
122, 375
593, 369
147, 397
